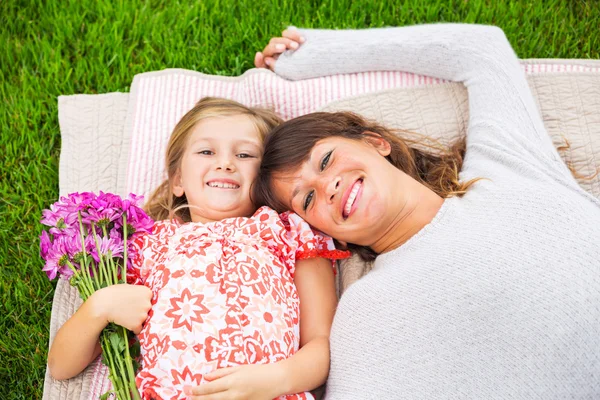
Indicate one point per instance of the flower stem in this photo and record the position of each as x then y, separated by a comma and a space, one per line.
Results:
84, 286
100, 258
115, 377
124, 273
83, 250
123, 371
129, 364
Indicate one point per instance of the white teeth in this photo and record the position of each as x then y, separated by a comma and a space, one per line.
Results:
351, 198
223, 185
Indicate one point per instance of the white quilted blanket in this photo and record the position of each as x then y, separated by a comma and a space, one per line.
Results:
115, 142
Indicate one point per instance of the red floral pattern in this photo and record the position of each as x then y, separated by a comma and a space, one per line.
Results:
223, 295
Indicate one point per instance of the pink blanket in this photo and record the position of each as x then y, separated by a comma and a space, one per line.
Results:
159, 99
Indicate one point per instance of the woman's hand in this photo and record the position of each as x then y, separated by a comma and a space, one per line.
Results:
123, 304
290, 40
248, 382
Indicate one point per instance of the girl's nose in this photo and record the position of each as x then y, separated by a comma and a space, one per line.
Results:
225, 164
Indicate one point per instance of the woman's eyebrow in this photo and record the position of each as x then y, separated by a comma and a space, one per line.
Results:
295, 192
297, 188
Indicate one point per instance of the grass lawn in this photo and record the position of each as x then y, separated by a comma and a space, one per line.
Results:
55, 47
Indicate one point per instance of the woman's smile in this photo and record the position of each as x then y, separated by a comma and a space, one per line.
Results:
351, 198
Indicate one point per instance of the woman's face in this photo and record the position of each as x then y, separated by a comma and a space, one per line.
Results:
346, 189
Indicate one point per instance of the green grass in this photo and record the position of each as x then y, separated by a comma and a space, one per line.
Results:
51, 48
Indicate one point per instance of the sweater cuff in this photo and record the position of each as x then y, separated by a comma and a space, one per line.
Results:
313, 58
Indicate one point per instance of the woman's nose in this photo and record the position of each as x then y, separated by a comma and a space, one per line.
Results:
333, 187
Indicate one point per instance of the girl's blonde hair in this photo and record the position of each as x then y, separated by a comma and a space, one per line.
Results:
163, 204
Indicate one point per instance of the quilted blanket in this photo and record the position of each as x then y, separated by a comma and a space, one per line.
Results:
123, 137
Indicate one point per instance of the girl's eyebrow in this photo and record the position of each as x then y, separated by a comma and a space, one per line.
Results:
244, 141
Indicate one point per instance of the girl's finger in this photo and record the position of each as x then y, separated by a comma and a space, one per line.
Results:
215, 396
207, 388
137, 329
219, 373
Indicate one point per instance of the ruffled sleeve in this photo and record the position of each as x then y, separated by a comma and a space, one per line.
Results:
305, 242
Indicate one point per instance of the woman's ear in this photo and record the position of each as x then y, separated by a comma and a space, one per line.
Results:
177, 186
382, 146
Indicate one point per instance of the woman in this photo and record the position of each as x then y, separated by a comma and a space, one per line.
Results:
486, 282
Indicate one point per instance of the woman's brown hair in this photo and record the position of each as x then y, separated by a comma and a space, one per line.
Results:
289, 145
163, 204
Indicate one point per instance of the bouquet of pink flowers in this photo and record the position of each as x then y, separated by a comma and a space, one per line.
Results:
88, 245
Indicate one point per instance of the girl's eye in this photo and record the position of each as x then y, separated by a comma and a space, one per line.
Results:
244, 155
325, 160
307, 200
206, 153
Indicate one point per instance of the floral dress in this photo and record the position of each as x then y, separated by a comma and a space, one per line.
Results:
223, 295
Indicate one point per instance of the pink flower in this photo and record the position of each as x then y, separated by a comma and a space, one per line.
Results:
108, 247
59, 217
137, 220
78, 201
57, 257
101, 216
61, 246
45, 244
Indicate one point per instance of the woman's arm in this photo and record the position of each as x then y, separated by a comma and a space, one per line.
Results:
76, 343
305, 370
479, 56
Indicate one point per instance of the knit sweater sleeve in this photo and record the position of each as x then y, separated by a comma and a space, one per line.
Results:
502, 112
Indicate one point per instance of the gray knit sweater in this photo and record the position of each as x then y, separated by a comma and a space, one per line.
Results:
499, 296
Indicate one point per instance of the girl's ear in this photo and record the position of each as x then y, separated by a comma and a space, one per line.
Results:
341, 244
177, 186
382, 146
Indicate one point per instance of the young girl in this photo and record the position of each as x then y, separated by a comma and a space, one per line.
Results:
222, 281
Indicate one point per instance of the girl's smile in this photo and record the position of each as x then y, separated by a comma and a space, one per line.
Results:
223, 155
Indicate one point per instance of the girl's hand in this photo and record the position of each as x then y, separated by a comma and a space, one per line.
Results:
290, 40
123, 304
248, 382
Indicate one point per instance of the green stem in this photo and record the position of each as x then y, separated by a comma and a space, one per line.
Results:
84, 285
82, 236
123, 371
124, 273
85, 263
129, 364
101, 262
97, 278
111, 261
115, 375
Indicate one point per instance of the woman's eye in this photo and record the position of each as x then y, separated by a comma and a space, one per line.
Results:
307, 200
325, 160
206, 153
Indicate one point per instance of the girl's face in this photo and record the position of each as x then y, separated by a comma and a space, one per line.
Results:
219, 165
346, 189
